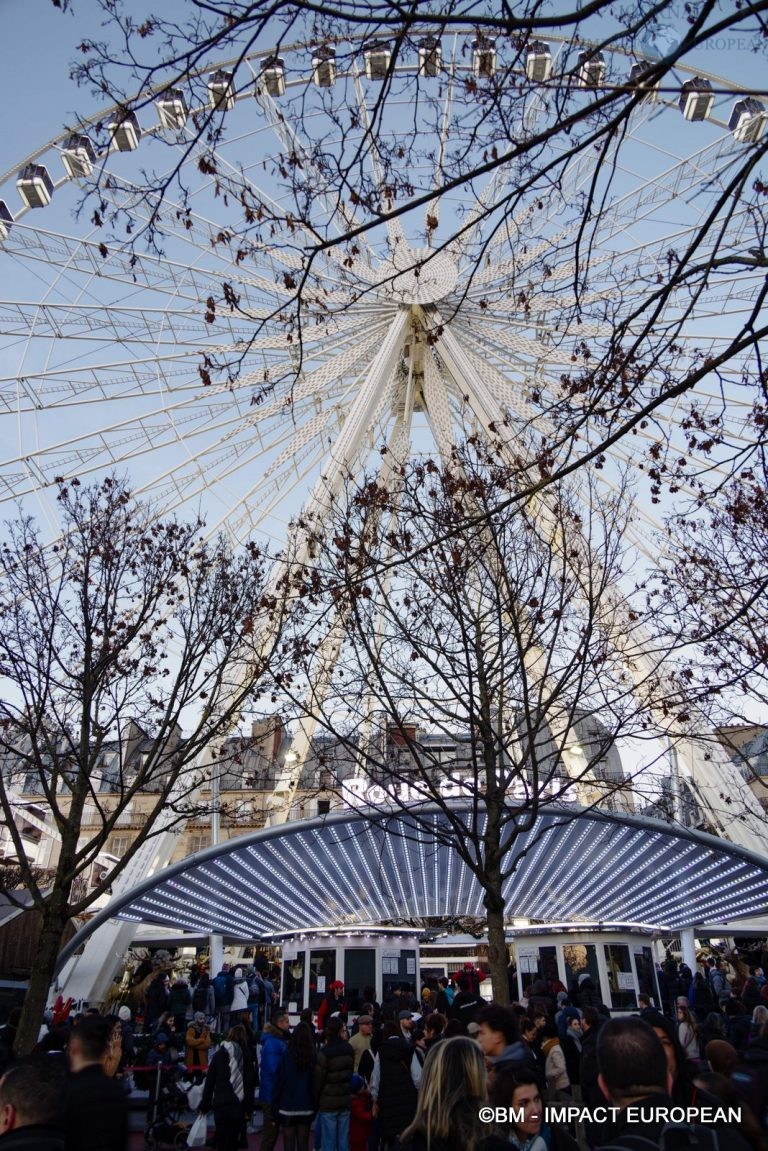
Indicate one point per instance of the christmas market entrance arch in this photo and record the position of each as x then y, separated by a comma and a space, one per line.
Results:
358, 869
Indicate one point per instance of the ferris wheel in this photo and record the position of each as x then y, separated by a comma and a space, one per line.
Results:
191, 367
285, 328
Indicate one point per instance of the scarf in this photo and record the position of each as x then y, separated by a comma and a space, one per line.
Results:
235, 1055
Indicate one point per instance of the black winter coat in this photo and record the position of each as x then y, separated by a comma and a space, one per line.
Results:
467, 1006
397, 1094
218, 1090
588, 1070
333, 1072
587, 996
95, 1112
33, 1138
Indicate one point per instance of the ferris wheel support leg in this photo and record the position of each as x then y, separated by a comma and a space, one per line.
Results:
280, 807
88, 976
708, 766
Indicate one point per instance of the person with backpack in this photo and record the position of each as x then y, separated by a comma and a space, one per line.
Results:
700, 997
468, 1004
228, 1090
445, 997
634, 1076
224, 993
239, 1004
718, 982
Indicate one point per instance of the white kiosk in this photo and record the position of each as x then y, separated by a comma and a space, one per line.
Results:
620, 963
377, 960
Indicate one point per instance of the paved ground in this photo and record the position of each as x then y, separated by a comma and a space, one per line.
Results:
137, 1143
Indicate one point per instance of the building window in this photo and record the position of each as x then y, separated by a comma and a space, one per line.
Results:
198, 843
118, 845
323, 806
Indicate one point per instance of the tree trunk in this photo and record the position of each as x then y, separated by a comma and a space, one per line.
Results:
498, 956
54, 920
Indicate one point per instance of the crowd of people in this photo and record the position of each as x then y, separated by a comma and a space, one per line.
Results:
445, 1071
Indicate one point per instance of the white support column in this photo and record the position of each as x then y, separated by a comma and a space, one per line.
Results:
215, 942
688, 944
216, 957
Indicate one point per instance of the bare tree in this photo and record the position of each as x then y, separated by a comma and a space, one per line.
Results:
518, 143
125, 625
713, 584
482, 673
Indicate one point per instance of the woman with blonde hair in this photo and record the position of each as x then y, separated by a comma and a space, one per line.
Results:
451, 1093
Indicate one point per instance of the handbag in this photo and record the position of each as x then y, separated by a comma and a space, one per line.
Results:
198, 1132
194, 1096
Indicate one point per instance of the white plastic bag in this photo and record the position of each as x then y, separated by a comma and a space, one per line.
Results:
198, 1132
194, 1096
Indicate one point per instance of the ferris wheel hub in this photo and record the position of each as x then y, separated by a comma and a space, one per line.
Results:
418, 276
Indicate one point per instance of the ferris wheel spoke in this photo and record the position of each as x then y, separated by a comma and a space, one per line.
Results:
169, 376
394, 227
432, 214
239, 182
338, 211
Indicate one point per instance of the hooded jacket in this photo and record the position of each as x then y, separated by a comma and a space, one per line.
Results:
514, 1054
554, 1067
273, 1042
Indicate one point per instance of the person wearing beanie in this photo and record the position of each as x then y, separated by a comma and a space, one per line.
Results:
198, 1040
240, 997
161, 1051
361, 1114
128, 1043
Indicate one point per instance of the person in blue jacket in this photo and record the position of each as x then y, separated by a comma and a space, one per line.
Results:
273, 1043
293, 1094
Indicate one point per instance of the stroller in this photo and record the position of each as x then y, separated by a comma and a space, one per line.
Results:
165, 1125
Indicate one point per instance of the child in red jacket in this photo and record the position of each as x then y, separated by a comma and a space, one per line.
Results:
361, 1115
